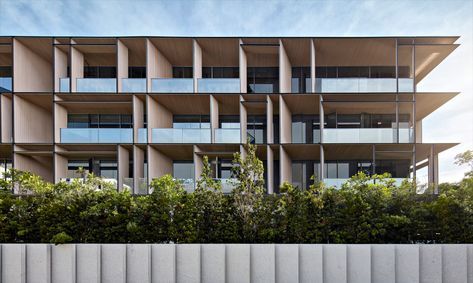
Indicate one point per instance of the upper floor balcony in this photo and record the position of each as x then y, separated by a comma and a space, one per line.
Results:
172, 85
97, 85
363, 85
134, 85
218, 85
94, 135
366, 135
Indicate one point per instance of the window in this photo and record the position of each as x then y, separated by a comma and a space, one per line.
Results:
6, 71
137, 72
100, 72
256, 129
229, 122
263, 79
303, 171
191, 122
305, 129
183, 170
99, 121
220, 72
182, 72
300, 80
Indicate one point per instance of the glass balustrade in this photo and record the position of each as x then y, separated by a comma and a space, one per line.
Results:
223, 85
133, 85
142, 135
91, 135
5, 84
127, 184
171, 135
142, 188
373, 135
64, 84
172, 85
362, 85
225, 135
96, 85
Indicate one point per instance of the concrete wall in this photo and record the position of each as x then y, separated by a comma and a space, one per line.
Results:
235, 263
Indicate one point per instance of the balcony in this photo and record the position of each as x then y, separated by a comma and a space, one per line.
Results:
163, 85
96, 85
134, 85
171, 135
142, 135
224, 85
91, 135
373, 135
226, 135
5, 84
362, 85
142, 188
64, 84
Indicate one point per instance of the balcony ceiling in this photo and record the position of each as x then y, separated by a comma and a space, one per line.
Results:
178, 51
185, 104
223, 52
298, 51
176, 151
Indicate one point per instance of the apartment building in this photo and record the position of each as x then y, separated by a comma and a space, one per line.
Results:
131, 109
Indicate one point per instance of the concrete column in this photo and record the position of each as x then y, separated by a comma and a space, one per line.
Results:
243, 121
312, 66
197, 63
214, 113
269, 120
243, 69
270, 169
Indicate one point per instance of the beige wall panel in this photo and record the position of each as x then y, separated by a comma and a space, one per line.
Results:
151, 62
419, 131
285, 70
122, 66
270, 169
197, 62
32, 72
158, 115
6, 119
138, 118
269, 120
158, 164
164, 67
312, 65
60, 66
243, 69
197, 163
33, 124
285, 122
77, 67
243, 121
40, 165
123, 164
60, 167
60, 121
214, 113
285, 164
138, 165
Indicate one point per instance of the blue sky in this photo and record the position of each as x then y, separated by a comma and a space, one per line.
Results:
451, 123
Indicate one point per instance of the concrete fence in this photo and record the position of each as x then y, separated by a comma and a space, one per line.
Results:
235, 263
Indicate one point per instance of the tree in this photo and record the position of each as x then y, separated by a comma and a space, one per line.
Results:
465, 158
249, 191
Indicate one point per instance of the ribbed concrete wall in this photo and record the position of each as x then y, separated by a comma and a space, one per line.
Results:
116, 263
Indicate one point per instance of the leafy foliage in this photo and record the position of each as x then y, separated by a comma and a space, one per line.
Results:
367, 209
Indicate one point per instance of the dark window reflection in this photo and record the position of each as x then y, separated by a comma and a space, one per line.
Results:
300, 82
256, 128
99, 121
220, 72
182, 72
263, 79
101, 72
137, 72
305, 129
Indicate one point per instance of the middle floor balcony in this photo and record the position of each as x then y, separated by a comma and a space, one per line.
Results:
180, 135
368, 135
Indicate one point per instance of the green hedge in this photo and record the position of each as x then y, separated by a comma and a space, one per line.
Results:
360, 212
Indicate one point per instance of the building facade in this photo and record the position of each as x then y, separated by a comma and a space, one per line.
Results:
131, 109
